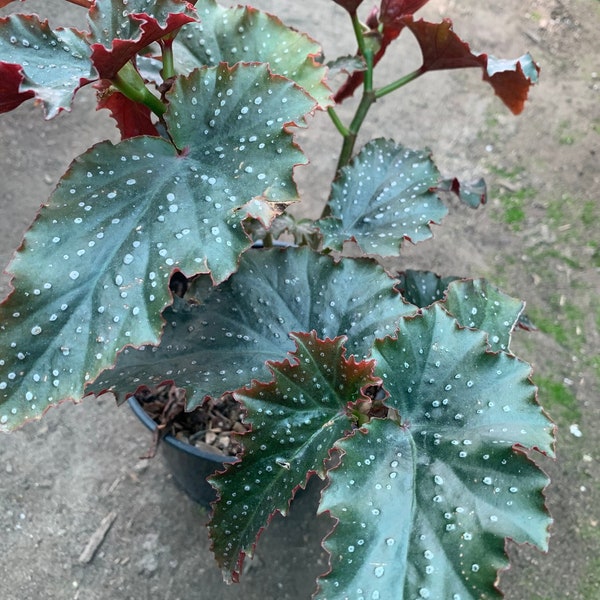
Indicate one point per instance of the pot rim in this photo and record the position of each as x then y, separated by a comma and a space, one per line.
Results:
141, 414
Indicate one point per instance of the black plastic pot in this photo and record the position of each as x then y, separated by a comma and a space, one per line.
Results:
189, 465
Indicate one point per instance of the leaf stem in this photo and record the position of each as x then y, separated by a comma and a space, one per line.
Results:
168, 66
392, 87
130, 83
337, 122
366, 101
358, 32
84, 3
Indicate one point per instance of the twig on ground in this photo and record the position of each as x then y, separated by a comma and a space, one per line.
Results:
97, 538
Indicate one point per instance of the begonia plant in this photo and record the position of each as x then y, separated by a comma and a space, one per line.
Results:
400, 389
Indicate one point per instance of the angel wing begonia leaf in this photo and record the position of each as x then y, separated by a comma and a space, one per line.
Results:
229, 332
132, 118
443, 49
473, 303
119, 29
4, 3
425, 505
93, 271
39, 62
295, 419
11, 77
472, 193
245, 34
392, 16
382, 198
480, 305
350, 5
423, 288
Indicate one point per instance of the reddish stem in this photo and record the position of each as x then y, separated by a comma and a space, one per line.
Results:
84, 3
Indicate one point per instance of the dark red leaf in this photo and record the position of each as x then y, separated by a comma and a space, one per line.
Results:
394, 9
11, 77
393, 13
512, 84
392, 16
473, 193
349, 5
443, 49
132, 117
108, 61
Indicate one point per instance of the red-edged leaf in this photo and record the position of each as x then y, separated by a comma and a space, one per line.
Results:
11, 77
472, 193
120, 30
4, 3
244, 34
393, 13
37, 61
296, 419
443, 49
511, 79
132, 118
349, 5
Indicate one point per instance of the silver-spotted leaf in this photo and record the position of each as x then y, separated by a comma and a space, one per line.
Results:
423, 288
295, 420
223, 340
371, 496
465, 415
473, 303
119, 29
37, 61
244, 34
383, 197
92, 273
480, 305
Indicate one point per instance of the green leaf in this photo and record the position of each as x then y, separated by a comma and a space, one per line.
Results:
92, 274
223, 340
54, 63
244, 34
383, 197
119, 29
466, 416
295, 419
472, 193
371, 495
423, 288
480, 305
474, 303
236, 139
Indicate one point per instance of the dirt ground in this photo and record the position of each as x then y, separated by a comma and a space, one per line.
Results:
538, 238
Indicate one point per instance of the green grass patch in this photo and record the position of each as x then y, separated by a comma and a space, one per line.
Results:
508, 174
541, 253
572, 211
565, 136
513, 206
557, 398
564, 333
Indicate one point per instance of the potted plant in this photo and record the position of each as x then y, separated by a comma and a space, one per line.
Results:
400, 389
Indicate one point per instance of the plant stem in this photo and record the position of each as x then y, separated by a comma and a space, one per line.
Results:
168, 67
84, 3
366, 101
130, 83
392, 87
337, 122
